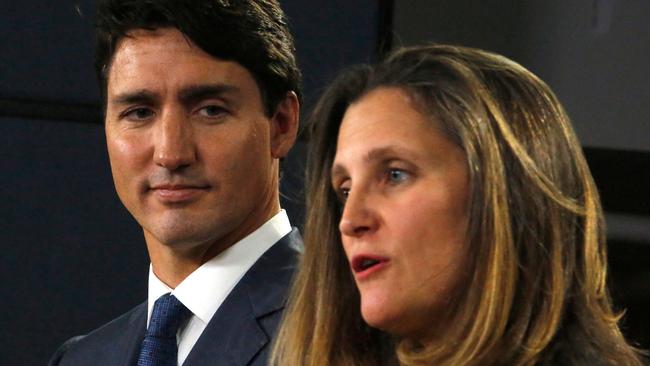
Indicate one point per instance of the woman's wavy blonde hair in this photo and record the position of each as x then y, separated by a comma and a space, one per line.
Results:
536, 291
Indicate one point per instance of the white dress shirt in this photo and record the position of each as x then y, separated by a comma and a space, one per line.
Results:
205, 289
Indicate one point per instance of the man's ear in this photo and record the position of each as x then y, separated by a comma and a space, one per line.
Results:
284, 125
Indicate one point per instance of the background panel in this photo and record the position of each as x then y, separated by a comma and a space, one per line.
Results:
72, 256
593, 53
46, 51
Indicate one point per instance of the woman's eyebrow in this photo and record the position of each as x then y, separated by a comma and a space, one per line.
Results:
381, 153
374, 155
338, 170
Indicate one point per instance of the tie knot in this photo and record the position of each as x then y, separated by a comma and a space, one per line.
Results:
168, 314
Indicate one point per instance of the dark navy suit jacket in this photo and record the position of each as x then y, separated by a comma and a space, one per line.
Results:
239, 333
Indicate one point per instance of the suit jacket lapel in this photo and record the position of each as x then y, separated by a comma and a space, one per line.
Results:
232, 336
130, 341
237, 332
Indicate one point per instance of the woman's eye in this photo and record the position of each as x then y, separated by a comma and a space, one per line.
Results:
396, 175
139, 114
211, 111
342, 193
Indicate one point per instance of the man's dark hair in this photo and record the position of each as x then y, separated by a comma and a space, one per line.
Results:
253, 33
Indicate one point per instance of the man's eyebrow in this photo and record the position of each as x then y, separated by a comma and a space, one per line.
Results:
142, 96
194, 93
187, 95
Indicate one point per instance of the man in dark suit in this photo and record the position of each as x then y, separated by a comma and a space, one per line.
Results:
201, 102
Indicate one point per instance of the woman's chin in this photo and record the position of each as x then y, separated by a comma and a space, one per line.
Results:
390, 322
396, 321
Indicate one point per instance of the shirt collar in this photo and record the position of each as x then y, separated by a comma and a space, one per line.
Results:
205, 289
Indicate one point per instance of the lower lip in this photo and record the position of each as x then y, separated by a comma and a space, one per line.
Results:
177, 195
366, 273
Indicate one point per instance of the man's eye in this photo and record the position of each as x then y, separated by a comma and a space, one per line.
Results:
396, 176
212, 111
139, 113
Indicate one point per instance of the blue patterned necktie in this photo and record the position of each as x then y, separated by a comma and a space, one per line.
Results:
159, 346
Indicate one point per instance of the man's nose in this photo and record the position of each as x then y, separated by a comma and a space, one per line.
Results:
359, 217
174, 146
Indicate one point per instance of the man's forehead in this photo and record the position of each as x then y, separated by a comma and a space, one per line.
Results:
141, 41
167, 56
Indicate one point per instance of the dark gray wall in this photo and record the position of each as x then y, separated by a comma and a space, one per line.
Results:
68, 245
72, 257
593, 53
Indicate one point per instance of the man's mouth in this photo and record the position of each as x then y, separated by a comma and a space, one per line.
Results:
174, 187
177, 193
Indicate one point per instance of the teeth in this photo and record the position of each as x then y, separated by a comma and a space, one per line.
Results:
367, 263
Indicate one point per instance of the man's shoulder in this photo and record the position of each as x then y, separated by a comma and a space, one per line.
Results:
105, 344
284, 252
268, 282
273, 271
247, 320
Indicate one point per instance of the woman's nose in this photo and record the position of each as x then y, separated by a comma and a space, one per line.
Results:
359, 217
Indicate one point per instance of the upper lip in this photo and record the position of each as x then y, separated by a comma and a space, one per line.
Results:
362, 262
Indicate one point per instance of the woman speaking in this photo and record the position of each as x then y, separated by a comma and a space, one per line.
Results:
452, 220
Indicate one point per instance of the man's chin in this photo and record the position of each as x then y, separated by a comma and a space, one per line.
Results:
181, 236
